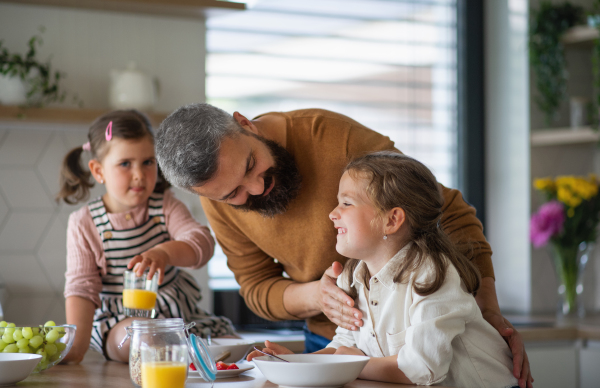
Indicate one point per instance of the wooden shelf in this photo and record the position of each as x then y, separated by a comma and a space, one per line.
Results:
62, 115
562, 136
195, 9
580, 35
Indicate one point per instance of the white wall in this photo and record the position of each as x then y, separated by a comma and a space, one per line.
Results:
507, 149
85, 45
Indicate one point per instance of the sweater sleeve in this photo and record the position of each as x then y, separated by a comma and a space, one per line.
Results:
435, 320
84, 253
261, 279
466, 231
183, 227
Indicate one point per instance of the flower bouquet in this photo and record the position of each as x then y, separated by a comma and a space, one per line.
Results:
567, 221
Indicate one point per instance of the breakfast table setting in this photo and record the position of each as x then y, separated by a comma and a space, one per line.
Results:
165, 353
94, 372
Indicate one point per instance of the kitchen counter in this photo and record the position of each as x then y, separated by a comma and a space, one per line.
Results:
548, 328
94, 372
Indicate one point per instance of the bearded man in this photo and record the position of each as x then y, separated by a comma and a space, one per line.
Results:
267, 186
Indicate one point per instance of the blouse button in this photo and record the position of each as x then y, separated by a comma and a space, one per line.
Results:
128, 217
373, 334
157, 220
375, 280
374, 302
107, 235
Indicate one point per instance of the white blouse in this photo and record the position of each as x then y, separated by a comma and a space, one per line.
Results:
439, 338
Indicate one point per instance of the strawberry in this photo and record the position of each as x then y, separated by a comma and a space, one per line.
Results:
221, 365
192, 366
233, 366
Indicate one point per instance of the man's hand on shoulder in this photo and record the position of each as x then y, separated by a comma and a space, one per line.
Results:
335, 303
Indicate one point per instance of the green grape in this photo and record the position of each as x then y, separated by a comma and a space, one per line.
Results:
61, 333
51, 349
60, 346
11, 325
12, 348
27, 332
55, 357
18, 334
36, 341
43, 364
8, 338
42, 353
2, 345
50, 323
3, 324
23, 343
35, 330
52, 336
24, 350
10, 331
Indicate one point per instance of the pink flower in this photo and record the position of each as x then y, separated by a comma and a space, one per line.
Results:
546, 223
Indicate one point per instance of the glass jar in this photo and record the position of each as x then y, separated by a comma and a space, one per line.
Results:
155, 333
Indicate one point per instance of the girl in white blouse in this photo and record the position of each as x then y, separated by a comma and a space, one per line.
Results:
415, 290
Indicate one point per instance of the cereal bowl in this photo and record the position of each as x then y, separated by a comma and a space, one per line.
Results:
15, 367
236, 346
311, 370
51, 343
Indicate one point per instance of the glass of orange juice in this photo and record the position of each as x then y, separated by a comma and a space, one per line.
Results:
164, 366
139, 294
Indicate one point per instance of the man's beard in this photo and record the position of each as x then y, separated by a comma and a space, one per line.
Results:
286, 188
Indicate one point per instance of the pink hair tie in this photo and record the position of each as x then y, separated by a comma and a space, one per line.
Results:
87, 146
108, 133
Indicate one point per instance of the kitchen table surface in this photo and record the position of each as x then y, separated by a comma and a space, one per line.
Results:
94, 372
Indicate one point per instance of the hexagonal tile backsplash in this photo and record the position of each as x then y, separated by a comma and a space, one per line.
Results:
33, 226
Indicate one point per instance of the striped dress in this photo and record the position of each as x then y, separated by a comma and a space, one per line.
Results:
178, 295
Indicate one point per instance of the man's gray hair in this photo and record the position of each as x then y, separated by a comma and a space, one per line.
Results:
188, 142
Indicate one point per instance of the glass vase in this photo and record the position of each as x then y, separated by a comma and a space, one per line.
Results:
569, 266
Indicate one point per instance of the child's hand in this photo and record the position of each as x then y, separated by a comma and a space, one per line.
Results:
155, 258
269, 348
351, 351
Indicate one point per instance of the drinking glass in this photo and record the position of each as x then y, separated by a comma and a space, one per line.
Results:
139, 294
164, 366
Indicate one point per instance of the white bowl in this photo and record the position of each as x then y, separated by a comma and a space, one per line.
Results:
236, 346
15, 367
311, 370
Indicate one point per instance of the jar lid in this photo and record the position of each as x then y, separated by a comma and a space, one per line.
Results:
203, 361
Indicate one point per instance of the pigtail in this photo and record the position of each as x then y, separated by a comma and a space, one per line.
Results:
75, 180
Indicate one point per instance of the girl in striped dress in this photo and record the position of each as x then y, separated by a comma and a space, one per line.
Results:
135, 223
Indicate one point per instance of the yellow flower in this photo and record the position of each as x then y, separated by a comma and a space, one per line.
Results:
544, 184
571, 212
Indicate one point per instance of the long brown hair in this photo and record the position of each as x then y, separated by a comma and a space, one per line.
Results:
396, 180
75, 180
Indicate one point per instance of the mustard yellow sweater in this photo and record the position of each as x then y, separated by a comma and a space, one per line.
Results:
302, 241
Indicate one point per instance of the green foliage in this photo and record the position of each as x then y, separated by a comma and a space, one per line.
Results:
42, 83
547, 55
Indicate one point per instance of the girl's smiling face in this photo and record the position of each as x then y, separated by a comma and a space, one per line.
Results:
129, 172
356, 221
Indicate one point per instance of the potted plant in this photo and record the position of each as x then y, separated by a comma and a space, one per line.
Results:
547, 55
25, 80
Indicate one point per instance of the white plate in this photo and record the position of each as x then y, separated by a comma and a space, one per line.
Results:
223, 374
227, 373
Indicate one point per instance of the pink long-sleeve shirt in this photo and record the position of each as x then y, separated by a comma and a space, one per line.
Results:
86, 262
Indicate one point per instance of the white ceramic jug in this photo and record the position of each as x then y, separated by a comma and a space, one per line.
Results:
131, 89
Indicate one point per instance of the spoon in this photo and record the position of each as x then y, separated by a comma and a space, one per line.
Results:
267, 354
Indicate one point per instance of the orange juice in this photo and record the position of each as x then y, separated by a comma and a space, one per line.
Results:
139, 299
164, 374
